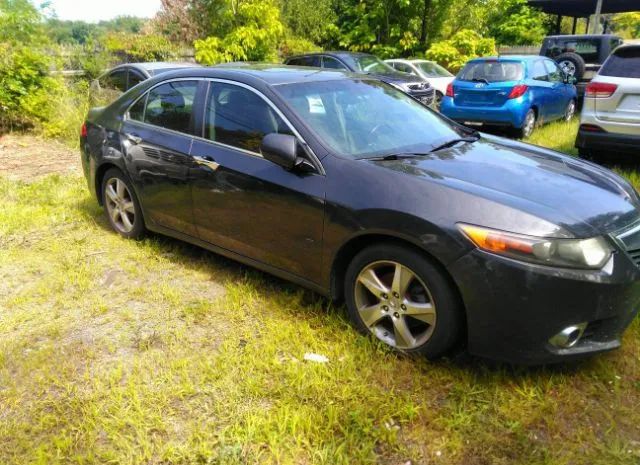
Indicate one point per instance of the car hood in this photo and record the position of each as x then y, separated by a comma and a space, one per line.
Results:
397, 78
583, 198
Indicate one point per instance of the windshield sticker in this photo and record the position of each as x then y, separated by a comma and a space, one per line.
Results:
316, 107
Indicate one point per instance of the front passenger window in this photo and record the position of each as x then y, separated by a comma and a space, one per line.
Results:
238, 117
169, 105
555, 74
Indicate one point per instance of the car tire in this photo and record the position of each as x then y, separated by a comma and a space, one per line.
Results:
121, 205
572, 64
528, 125
570, 110
399, 296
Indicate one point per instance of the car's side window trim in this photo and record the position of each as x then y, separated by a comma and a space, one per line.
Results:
145, 96
199, 132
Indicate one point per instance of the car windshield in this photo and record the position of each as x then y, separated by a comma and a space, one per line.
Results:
492, 71
367, 118
371, 64
433, 70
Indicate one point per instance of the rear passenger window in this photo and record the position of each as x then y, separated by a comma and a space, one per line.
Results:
240, 118
332, 63
625, 63
115, 81
539, 72
169, 105
313, 61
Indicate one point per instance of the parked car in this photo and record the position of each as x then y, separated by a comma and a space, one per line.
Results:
516, 92
111, 84
433, 234
432, 72
610, 121
580, 56
365, 63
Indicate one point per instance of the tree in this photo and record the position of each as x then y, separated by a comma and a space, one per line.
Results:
254, 36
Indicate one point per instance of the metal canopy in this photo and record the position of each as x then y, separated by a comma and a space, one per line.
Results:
584, 8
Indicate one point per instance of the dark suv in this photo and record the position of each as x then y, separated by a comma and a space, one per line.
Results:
580, 56
365, 63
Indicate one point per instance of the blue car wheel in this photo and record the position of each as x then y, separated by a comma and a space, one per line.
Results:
528, 125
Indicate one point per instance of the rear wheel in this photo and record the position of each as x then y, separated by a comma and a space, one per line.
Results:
571, 64
121, 205
438, 100
402, 299
528, 125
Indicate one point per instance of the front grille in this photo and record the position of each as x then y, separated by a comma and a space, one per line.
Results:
635, 256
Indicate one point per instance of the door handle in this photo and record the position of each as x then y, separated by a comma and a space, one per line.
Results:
134, 139
206, 161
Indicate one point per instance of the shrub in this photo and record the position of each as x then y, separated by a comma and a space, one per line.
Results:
296, 45
23, 72
464, 45
133, 47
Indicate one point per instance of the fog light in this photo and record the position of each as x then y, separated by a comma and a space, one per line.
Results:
569, 336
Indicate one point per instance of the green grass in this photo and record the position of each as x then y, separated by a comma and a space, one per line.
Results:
157, 352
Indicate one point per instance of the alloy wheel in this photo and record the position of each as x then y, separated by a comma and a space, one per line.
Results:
395, 304
568, 67
529, 124
120, 205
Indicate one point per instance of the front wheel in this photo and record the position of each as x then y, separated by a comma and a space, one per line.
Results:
401, 298
528, 125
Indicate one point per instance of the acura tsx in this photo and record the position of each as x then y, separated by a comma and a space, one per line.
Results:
434, 235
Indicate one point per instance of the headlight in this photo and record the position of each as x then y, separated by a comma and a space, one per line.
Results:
591, 253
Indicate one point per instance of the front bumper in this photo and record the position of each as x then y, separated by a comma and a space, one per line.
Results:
511, 113
608, 142
514, 308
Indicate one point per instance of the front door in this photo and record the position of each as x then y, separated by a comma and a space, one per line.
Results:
245, 203
156, 137
561, 90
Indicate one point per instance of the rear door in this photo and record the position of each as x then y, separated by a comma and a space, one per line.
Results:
487, 83
157, 139
622, 70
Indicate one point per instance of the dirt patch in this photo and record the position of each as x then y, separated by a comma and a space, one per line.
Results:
27, 158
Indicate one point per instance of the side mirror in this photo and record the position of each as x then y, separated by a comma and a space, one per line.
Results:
281, 149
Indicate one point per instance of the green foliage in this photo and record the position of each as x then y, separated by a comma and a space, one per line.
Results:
627, 25
19, 22
292, 45
517, 24
464, 45
134, 47
308, 19
256, 36
81, 32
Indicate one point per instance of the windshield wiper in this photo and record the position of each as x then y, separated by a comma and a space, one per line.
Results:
480, 80
396, 156
453, 142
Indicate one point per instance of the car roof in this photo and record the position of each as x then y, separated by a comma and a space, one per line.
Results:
153, 67
509, 58
271, 74
333, 53
583, 36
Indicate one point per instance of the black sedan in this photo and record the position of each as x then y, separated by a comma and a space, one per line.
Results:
435, 236
365, 63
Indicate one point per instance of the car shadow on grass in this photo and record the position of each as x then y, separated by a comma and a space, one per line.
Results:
270, 287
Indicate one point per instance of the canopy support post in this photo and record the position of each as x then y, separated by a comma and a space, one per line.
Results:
596, 21
575, 23
559, 23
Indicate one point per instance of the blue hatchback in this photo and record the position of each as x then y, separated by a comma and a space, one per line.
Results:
512, 91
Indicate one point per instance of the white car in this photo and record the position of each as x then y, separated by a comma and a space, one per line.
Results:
610, 122
436, 75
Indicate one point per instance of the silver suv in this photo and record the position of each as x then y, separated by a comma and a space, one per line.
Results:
610, 120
